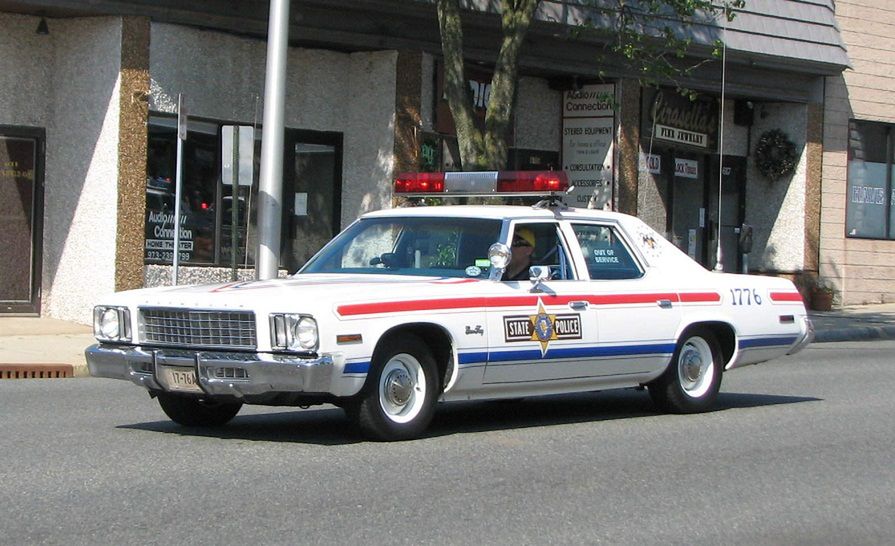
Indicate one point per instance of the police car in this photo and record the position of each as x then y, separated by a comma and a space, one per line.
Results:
411, 306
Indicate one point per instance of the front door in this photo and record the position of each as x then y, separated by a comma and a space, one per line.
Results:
694, 195
21, 218
688, 204
312, 194
542, 336
732, 211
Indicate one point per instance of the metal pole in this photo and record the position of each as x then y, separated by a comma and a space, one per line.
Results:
234, 204
270, 188
181, 136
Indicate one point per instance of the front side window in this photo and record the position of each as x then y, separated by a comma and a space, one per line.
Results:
433, 247
605, 254
871, 198
537, 244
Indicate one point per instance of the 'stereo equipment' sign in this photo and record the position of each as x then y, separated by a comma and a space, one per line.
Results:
672, 118
588, 137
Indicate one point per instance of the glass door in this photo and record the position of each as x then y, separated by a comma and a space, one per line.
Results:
21, 218
312, 194
688, 204
733, 183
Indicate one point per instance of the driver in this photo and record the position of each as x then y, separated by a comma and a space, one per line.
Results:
522, 249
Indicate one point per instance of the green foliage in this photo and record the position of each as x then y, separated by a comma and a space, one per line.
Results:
647, 34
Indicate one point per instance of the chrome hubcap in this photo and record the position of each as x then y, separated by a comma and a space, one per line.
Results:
398, 387
696, 367
692, 365
402, 388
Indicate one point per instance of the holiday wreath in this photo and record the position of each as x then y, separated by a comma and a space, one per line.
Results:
775, 155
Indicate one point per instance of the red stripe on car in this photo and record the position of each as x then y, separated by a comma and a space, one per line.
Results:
786, 296
446, 304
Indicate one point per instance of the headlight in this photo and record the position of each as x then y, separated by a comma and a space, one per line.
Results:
293, 332
111, 323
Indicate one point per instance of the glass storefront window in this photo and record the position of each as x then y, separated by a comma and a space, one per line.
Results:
870, 205
311, 193
199, 184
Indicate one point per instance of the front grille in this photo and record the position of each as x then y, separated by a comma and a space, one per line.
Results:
199, 328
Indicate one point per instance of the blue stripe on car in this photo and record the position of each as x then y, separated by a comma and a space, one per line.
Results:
766, 342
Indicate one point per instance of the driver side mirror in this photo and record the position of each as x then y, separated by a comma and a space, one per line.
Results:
539, 273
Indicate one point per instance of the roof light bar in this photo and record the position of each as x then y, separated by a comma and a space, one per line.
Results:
486, 183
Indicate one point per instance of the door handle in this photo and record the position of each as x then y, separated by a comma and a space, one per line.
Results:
664, 304
578, 305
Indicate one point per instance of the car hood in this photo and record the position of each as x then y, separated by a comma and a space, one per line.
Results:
301, 293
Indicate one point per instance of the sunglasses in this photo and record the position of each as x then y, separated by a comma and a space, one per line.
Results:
520, 242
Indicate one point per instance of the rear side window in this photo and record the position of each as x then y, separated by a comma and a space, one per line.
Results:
605, 254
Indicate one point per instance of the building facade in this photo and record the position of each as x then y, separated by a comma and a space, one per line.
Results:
857, 238
88, 135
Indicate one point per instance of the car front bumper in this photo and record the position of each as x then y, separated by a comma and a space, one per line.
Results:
234, 374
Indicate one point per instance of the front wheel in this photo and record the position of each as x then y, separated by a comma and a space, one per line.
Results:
693, 379
399, 400
195, 412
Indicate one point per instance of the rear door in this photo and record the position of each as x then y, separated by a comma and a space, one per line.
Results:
636, 309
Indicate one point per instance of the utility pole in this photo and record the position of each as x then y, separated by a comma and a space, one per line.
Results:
270, 187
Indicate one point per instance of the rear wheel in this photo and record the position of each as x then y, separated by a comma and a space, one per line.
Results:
693, 379
195, 412
399, 400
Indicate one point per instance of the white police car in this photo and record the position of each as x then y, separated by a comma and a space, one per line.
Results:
408, 306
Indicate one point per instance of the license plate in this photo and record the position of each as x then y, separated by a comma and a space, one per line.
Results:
179, 379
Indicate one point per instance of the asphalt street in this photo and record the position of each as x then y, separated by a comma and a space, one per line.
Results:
800, 450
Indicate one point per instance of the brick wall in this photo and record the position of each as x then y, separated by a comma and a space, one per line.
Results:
862, 270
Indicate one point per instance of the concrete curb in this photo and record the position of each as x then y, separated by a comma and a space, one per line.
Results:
855, 333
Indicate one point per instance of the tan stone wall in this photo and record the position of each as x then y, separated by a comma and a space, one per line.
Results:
862, 271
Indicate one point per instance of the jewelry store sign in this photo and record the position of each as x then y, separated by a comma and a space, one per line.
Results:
669, 117
588, 144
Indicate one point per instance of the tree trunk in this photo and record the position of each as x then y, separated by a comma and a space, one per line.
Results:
483, 150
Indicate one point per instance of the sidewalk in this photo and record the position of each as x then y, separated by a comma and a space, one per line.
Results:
30, 346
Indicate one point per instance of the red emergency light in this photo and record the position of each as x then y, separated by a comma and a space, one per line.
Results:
419, 183
493, 183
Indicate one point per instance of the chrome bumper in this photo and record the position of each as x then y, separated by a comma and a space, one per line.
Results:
807, 336
218, 373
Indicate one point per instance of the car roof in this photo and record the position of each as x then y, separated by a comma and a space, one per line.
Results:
497, 212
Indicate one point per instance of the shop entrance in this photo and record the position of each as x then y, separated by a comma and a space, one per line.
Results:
21, 218
693, 208
312, 194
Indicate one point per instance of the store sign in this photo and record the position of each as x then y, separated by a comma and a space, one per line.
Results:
589, 101
588, 144
479, 83
650, 163
682, 136
669, 117
686, 168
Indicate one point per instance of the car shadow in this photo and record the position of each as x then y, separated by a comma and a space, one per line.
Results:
330, 426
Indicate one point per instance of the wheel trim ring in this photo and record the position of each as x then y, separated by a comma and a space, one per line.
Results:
399, 366
695, 367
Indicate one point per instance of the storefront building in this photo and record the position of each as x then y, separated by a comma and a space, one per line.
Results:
857, 237
88, 134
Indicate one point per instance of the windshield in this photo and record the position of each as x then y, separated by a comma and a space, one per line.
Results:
432, 247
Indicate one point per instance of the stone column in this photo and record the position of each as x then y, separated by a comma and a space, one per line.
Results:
133, 140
